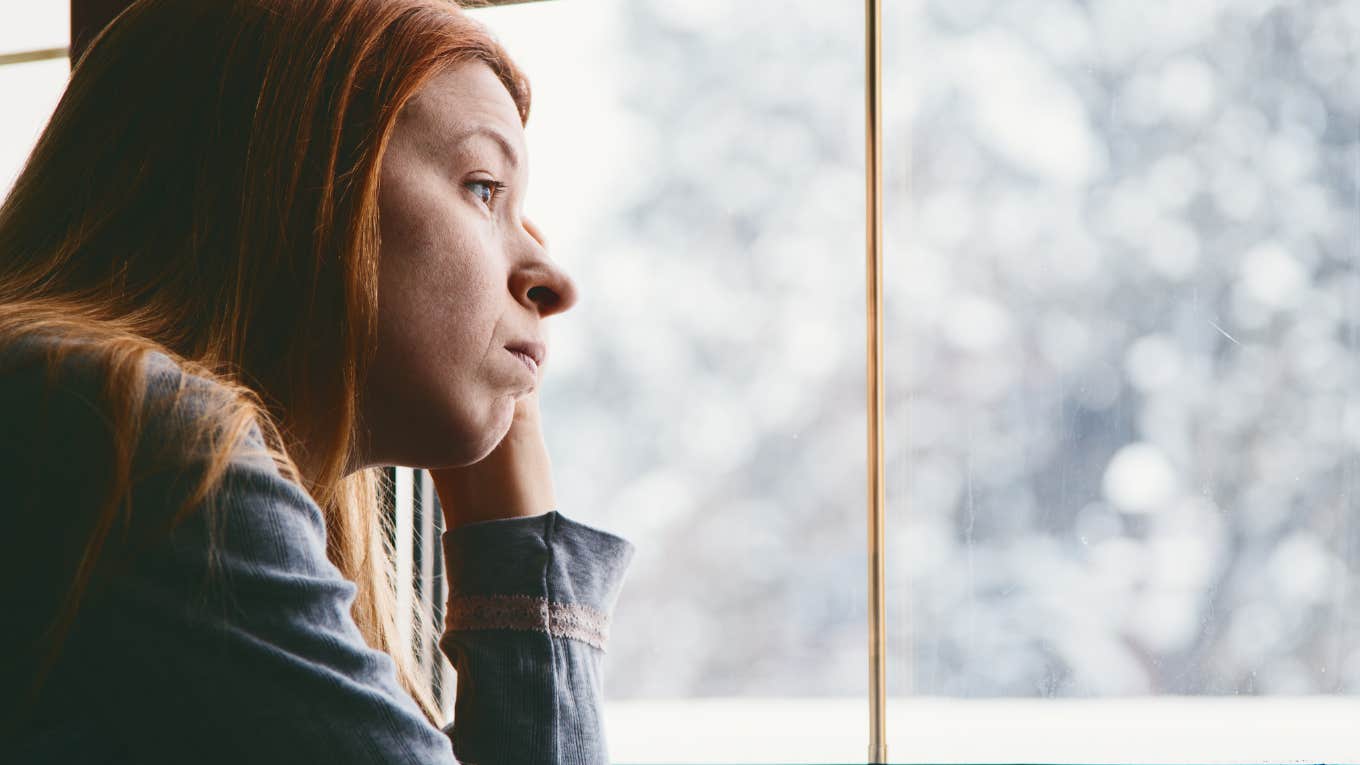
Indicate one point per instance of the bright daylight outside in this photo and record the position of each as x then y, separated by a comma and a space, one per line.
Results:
1122, 322
1124, 381
1122, 384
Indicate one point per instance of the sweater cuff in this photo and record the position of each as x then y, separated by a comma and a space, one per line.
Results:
545, 573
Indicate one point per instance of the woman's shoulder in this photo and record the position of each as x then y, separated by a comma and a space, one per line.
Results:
59, 440
76, 369
193, 448
67, 431
64, 387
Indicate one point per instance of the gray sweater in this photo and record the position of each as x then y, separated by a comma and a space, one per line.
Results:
264, 663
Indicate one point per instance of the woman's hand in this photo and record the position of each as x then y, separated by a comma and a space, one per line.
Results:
513, 481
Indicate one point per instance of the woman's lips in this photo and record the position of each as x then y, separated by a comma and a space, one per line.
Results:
528, 361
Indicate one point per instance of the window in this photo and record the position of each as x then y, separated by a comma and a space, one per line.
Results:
699, 168
1122, 315
33, 70
1123, 303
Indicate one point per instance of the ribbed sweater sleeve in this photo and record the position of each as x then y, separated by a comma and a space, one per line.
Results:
526, 628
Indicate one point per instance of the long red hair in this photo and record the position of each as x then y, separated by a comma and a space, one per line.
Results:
207, 188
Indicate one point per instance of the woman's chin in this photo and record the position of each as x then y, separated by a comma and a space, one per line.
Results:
490, 434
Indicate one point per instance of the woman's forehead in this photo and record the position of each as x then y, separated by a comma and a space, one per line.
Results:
463, 103
465, 93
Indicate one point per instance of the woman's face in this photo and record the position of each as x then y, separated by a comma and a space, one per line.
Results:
462, 275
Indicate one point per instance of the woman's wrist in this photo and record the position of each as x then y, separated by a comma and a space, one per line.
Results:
464, 500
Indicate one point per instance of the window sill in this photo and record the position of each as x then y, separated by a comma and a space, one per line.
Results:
1168, 729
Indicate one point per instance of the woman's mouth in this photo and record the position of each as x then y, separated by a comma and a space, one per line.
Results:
528, 361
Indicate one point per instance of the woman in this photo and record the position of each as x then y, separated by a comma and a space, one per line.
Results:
263, 248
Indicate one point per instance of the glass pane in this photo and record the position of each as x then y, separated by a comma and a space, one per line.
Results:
31, 91
33, 26
698, 169
1124, 389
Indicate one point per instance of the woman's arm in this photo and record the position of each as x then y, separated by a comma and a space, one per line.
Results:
527, 628
531, 594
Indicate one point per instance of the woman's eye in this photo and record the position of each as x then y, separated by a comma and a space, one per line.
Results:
496, 188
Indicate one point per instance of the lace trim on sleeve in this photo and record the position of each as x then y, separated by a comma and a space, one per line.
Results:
528, 612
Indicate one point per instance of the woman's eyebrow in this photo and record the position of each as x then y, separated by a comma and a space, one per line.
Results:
506, 147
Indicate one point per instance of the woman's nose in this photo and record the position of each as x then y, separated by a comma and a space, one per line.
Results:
542, 284
551, 291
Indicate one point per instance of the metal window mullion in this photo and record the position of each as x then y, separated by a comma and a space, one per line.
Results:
25, 56
873, 171
443, 669
404, 497
428, 545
